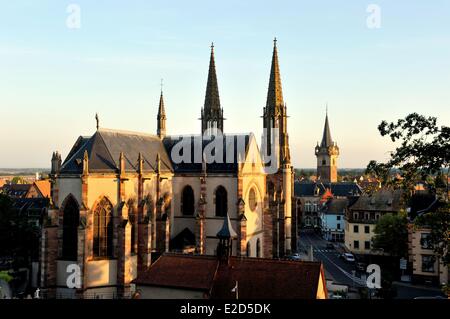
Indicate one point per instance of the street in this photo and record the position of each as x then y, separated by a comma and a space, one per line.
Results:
336, 269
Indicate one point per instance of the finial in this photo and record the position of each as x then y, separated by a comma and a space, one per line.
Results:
275, 41
212, 46
97, 120
326, 109
161, 86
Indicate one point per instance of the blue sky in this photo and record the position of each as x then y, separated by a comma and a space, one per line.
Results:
53, 78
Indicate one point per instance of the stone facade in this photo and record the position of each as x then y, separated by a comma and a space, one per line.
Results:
117, 201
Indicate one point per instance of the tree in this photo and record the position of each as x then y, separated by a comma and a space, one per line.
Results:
391, 234
439, 224
423, 152
4, 275
18, 180
422, 155
19, 239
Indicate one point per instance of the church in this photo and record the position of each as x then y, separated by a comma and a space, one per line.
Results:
120, 199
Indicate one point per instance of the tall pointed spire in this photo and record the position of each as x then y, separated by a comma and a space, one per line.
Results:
212, 100
275, 92
275, 117
212, 113
326, 138
161, 127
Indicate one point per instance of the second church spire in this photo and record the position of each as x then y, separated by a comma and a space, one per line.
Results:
212, 113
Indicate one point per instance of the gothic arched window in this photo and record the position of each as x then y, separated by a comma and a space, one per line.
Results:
103, 229
248, 249
71, 220
323, 162
221, 201
258, 248
187, 201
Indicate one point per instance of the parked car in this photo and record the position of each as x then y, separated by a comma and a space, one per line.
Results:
348, 257
294, 257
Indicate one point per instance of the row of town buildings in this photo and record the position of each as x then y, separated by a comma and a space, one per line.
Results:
347, 212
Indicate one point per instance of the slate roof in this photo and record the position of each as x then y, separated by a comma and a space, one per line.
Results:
341, 189
16, 190
104, 149
422, 203
335, 206
32, 207
258, 278
383, 200
194, 165
327, 141
227, 230
184, 239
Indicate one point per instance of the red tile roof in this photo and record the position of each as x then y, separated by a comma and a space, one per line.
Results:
267, 279
44, 187
181, 271
257, 278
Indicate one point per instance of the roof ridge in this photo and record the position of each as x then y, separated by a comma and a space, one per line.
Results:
107, 130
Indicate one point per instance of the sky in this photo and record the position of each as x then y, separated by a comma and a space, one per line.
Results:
55, 76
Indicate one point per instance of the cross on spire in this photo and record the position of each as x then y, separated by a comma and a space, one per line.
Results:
97, 120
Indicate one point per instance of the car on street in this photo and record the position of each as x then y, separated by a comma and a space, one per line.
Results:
348, 257
294, 257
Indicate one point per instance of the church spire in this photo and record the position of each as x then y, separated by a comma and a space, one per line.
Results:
275, 92
327, 154
212, 113
326, 138
161, 127
276, 138
212, 100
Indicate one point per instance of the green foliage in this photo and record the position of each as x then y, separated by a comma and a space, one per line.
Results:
18, 180
422, 155
423, 152
391, 234
439, 224
4, 275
